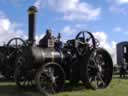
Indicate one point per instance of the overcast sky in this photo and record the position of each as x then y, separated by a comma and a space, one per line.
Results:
106, 19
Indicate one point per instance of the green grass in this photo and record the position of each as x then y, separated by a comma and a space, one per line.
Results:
118, 87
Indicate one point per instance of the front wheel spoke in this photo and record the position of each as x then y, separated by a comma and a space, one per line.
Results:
29, 83
24, 83
48, 87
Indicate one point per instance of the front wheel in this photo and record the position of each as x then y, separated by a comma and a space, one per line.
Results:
50, 78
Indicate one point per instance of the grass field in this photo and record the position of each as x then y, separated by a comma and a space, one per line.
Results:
118, 87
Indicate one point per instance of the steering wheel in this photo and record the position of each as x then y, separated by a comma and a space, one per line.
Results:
15, 44
84, 40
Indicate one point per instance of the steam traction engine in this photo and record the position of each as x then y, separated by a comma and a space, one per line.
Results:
8, 54
48, 68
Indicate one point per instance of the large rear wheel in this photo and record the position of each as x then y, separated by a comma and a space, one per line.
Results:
97, 70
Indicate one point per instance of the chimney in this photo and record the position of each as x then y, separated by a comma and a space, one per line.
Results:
31, 20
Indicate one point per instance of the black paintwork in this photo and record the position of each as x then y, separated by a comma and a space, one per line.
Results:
28, 60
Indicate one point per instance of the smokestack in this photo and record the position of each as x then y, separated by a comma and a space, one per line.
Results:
31, 20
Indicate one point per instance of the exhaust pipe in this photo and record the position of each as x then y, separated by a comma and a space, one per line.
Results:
31, 20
